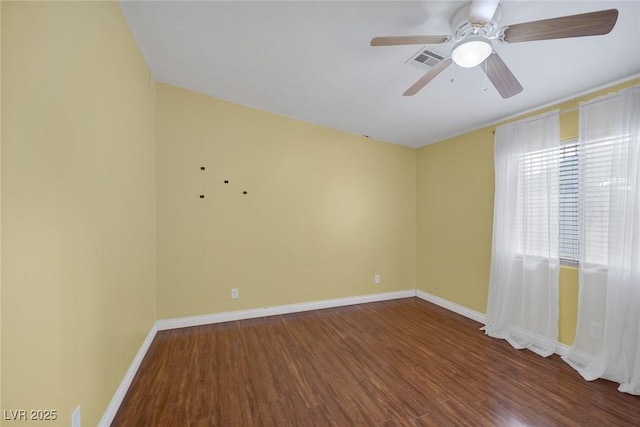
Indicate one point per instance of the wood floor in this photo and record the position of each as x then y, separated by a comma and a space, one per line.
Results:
394, 363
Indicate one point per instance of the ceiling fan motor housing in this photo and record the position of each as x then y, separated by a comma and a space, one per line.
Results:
474, 26
462, 28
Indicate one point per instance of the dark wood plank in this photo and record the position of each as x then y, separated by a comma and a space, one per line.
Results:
394, 363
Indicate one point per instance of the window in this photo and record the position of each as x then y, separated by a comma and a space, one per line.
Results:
533, 176
537, 202
549, 180
603, 187
569, 237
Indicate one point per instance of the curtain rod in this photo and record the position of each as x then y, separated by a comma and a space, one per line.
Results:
574, 97
595, 100
568, 110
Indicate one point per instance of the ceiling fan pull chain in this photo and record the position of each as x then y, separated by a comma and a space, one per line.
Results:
475, 27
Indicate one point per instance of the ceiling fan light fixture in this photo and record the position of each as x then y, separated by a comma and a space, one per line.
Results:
471, 51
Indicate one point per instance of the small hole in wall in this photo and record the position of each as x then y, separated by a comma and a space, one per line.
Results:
244, 192
202, 196
201, 168
226, 181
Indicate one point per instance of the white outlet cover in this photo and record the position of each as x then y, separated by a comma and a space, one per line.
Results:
75, 417
234, 293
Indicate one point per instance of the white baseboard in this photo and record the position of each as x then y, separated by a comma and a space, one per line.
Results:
451, 306
184, 322
561, 349
161, 325
118, 397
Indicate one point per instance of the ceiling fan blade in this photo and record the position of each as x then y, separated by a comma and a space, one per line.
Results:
431, 74
586, 24
482, 11
501, 76
402, 40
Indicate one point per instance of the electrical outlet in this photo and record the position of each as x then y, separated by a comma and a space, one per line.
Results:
234, 293
377, 279
595, 330
75, 417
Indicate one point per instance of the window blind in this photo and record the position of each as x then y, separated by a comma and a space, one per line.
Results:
537, 192
583, 183
597, 181
569, 234
537, 199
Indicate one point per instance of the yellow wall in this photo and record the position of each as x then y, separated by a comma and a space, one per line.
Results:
1, 208
455, 189
325, 210
78, 206
80, 280
455, 217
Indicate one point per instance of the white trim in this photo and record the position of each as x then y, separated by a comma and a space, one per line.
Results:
537, 109
184, 322
161, 325
551, 104
569, 98
561, 349
451, 306
118, 397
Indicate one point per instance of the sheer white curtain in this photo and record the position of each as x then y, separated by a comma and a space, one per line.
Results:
607, 343
523, 288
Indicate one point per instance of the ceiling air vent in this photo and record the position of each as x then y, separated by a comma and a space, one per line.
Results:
425, 59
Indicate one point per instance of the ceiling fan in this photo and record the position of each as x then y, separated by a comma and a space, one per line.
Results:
475, 28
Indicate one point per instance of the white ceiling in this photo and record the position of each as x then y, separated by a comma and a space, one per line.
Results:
311, 60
